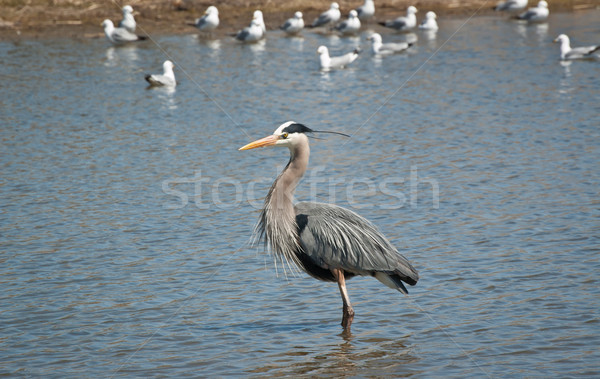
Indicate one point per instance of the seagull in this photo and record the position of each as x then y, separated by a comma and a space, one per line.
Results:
351, 25
329, 17
167, 79
128, 22
258, 16
366, 11
568, 53
209, 21
537, 14
328, 62
293, 25
386, 48
252, 33
429, 22
119, 36
511, 6
403, 23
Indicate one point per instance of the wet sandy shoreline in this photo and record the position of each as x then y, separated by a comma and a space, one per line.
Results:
81, 19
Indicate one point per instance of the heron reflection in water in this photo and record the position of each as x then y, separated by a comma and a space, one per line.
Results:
328, 242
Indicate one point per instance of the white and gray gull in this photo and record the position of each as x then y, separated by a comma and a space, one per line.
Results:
366, 11
329, 17
167, 79
429, 23
378, 47
209, 21
536, 14
119, 36
511, 6
328, 62
328, 242
293, 25
253, 33
349, 26
403, 23
128, 21
569, 53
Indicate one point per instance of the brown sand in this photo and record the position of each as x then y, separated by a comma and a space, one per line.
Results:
82, 18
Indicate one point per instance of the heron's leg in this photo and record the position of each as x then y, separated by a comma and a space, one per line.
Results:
348, 312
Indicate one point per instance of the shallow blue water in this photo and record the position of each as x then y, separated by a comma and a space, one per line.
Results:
127, 213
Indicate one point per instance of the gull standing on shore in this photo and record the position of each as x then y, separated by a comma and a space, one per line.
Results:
403, 23
537, 14
209, 21
511, 6
351, 25
119, 36
429, 23
167, 79
252, 33
328, 62
568, 53
293, 25
366, 11
329, 17
128, 22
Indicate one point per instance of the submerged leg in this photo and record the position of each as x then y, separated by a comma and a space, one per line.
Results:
348, 312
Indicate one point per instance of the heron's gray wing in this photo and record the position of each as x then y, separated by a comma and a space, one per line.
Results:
335, 237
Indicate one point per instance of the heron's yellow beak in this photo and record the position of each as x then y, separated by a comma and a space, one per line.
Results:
263, 142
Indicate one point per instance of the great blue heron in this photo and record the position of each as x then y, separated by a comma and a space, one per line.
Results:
328, 242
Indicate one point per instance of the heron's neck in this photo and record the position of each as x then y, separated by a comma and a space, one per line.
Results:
278, 219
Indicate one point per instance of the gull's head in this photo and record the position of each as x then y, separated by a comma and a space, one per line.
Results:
335, 6
107, 24
411, 10
212, 10
322, 50
298, 15
168, 65
430, 15
542, 4
562, 38
375, 37
353, 14
288, 134
127, 9
258, 15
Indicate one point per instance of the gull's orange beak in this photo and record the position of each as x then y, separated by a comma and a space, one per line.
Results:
263, 142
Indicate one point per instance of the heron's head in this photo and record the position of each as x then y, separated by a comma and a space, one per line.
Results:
288, 134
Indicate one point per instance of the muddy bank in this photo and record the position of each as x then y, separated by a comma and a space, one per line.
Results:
81, 18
